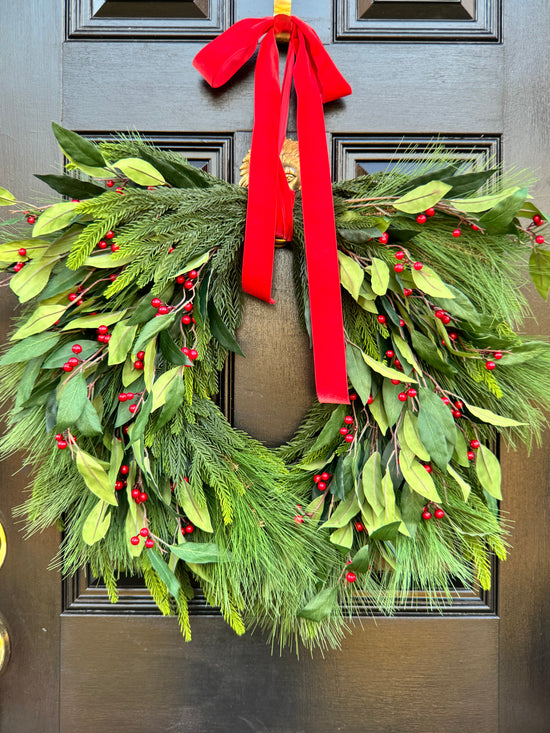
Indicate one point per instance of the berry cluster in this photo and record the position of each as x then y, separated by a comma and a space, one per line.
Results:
320, 480
348, 429
104, 243
103, 335
143, 532
403, 260
427, 514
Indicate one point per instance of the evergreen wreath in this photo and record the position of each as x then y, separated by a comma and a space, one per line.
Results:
131, 301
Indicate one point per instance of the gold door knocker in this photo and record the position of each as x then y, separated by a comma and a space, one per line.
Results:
290, 159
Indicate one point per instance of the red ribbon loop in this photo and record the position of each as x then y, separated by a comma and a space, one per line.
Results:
270, 200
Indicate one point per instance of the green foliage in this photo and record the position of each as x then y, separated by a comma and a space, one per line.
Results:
268, 546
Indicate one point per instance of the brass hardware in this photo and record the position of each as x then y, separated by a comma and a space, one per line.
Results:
5, 646
291, 165
3, 545
282, 7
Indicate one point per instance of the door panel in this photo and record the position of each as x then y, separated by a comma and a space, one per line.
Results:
459, 70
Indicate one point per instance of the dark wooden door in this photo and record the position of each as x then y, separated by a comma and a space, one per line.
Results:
473, 73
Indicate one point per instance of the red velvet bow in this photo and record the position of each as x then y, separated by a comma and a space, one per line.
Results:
270, 200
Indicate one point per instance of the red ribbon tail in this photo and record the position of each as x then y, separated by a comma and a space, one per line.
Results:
329, 348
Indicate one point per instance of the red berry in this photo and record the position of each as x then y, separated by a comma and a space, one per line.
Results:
430, 212
22, 252
31, 219
140, 355
114, 247
446, 400
193, 275
149, 542
130, 395
186, 320
188, 285
110, 184
156, 302
459, 405
426, 515
109, 235
18, 266
498, 355
397, 363
103, 329
321, 486
402, 396
122, 397
299, 519
399, 267
396, 381
490, 365
193, 353
348, 420
138, 364
401, 322
539, 239
185, 350
106, 338
351, 577
77, 349
72, 296
144, 532
390, 354
384, 238
188, 307
317, 478
119, 485
344, 431
134, 540
453, 336
349, 438
67, 367
471, 455
371, 399
73, 361
412, 392
133, 409
113, 276
400, 255
474, 228
62, 444
190, 529
456, 414
537, 220
163, 310
101, 338
446, 319
102, 244
180, 279
135, 493
325, 476
474, 444
421, 218
406, 292
457, 233
418, 266
381, 319
143, 496
59, 436
439, 514
171, 249
124, 469
359, 527
428, 467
